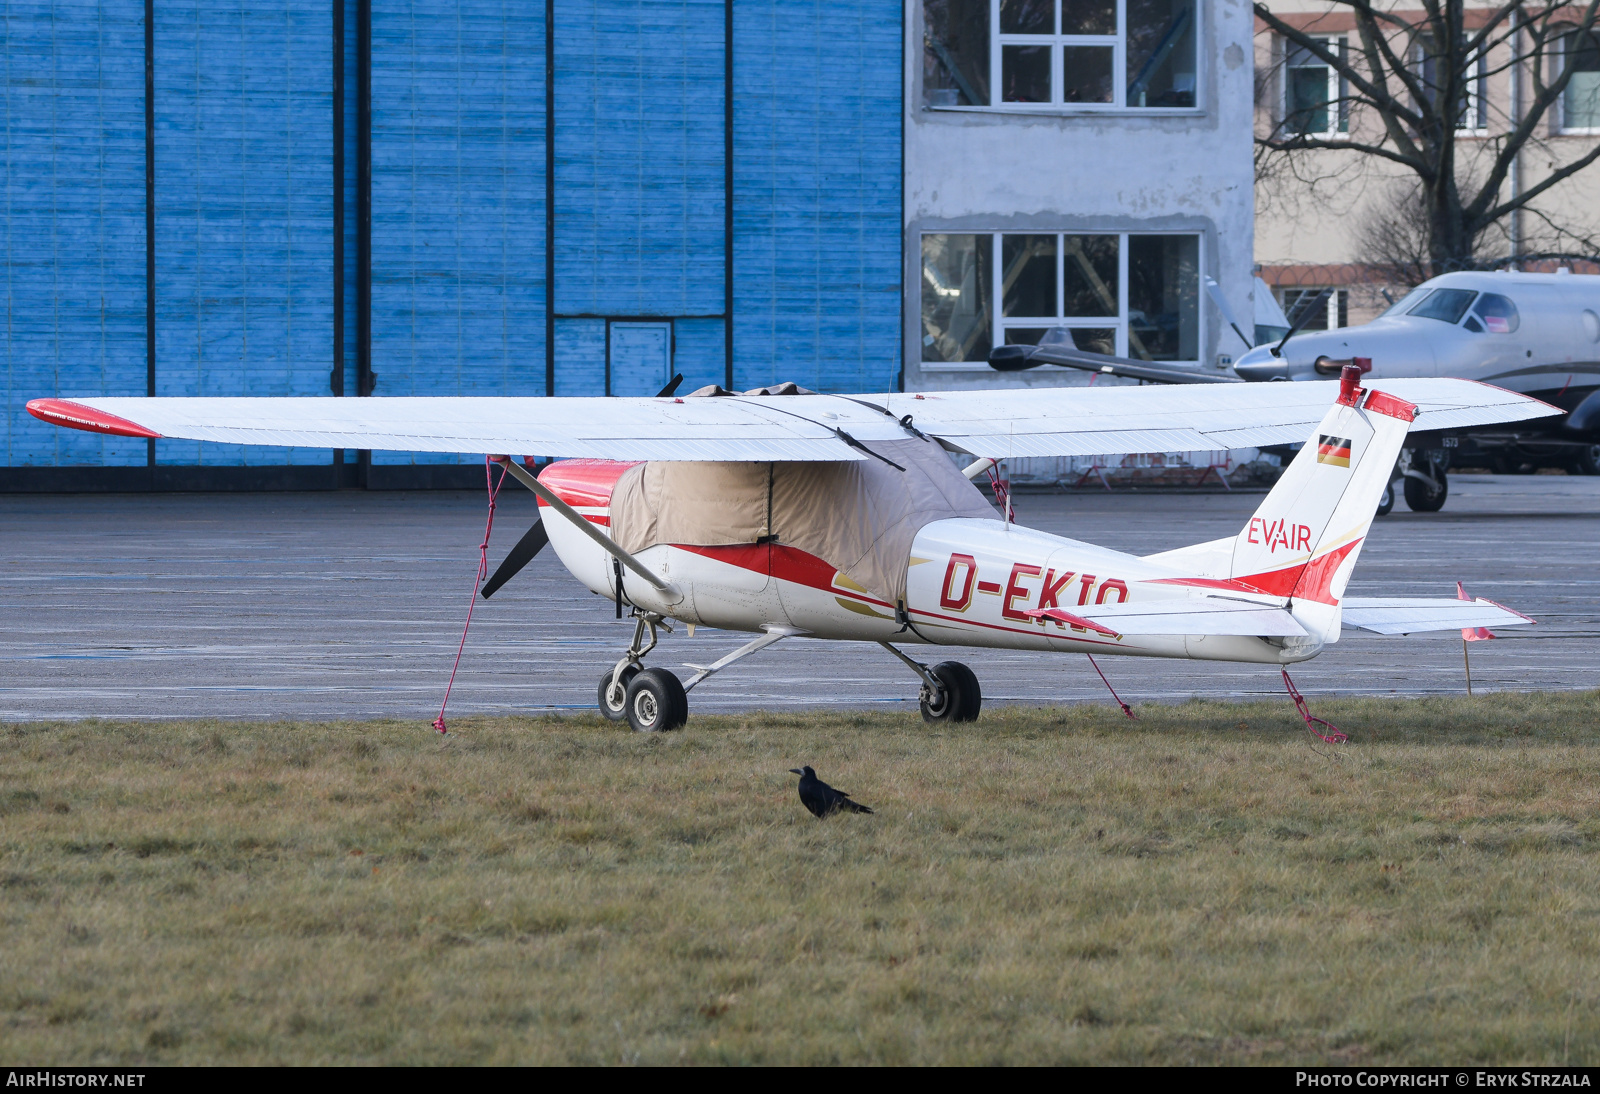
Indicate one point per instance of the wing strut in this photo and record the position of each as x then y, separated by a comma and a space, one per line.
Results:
522, 475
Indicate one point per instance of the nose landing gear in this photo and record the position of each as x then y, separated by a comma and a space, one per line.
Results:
614, 692
654, 700
651, 700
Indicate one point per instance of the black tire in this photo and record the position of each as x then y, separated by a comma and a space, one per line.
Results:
1421, 498
656, 702
620, 711
960, 698
1587, 461
1386, 505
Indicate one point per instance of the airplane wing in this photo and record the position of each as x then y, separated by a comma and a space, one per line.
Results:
1115, 420
1408, 615
999, 424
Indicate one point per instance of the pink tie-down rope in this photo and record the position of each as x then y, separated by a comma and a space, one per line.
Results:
493, 487
1335, 735
1126, 709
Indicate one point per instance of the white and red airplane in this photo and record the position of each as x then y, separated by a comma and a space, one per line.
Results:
785, 514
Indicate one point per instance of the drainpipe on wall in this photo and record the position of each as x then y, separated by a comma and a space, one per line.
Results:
1516, 159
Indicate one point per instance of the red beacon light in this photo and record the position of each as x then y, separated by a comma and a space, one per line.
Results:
1350, 379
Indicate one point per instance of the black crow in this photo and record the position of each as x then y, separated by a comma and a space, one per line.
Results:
822, 799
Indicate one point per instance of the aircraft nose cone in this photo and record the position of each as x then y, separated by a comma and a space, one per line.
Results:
1259, 364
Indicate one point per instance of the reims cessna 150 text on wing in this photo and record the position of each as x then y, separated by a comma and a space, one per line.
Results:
787, 514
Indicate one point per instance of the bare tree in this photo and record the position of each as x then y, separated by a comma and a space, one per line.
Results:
1393, 238
1405, 85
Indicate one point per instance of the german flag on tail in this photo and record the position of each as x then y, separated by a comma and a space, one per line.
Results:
1334, 450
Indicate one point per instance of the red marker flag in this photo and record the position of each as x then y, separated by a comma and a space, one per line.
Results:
1471, 634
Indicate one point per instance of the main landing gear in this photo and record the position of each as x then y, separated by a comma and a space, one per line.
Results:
950, 691
655, 700
1423, 480
1426, 483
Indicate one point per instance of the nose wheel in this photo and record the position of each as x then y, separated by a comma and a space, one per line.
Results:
650, 700
614, 692
656, 702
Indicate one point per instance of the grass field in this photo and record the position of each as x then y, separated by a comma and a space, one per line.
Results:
1044, 886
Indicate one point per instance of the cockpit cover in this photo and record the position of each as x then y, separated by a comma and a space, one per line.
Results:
859, 517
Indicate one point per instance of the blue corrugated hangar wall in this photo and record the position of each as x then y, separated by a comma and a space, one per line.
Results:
439, 197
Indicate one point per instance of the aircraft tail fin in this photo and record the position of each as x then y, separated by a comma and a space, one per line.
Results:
1303, 541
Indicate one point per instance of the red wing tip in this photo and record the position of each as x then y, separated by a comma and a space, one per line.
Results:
87, 418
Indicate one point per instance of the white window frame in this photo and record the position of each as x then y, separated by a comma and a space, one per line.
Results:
1476, 107
1561, 107
1477, 86
1330, 306
1117, 40
1338, 108
1119, 74
1118, 322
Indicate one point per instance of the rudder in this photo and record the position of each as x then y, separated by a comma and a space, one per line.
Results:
1303, 541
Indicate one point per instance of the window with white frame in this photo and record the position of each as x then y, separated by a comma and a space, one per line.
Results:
1472, 113
1474, 116
1315, 96
1127, 294
1580, 102
1060, 54
1324, 309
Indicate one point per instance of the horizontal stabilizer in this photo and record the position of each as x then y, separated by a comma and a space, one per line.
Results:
1209, 617
1409, 615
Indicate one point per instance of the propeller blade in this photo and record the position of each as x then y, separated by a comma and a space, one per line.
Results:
530, 544
1302, 317
1214, 291
672, 386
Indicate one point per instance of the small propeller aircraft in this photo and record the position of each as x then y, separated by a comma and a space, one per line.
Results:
1538, 334
785, 513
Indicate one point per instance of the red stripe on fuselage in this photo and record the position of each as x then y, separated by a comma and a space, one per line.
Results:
1232, 585
1316, 579
1308, 581
802, 568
